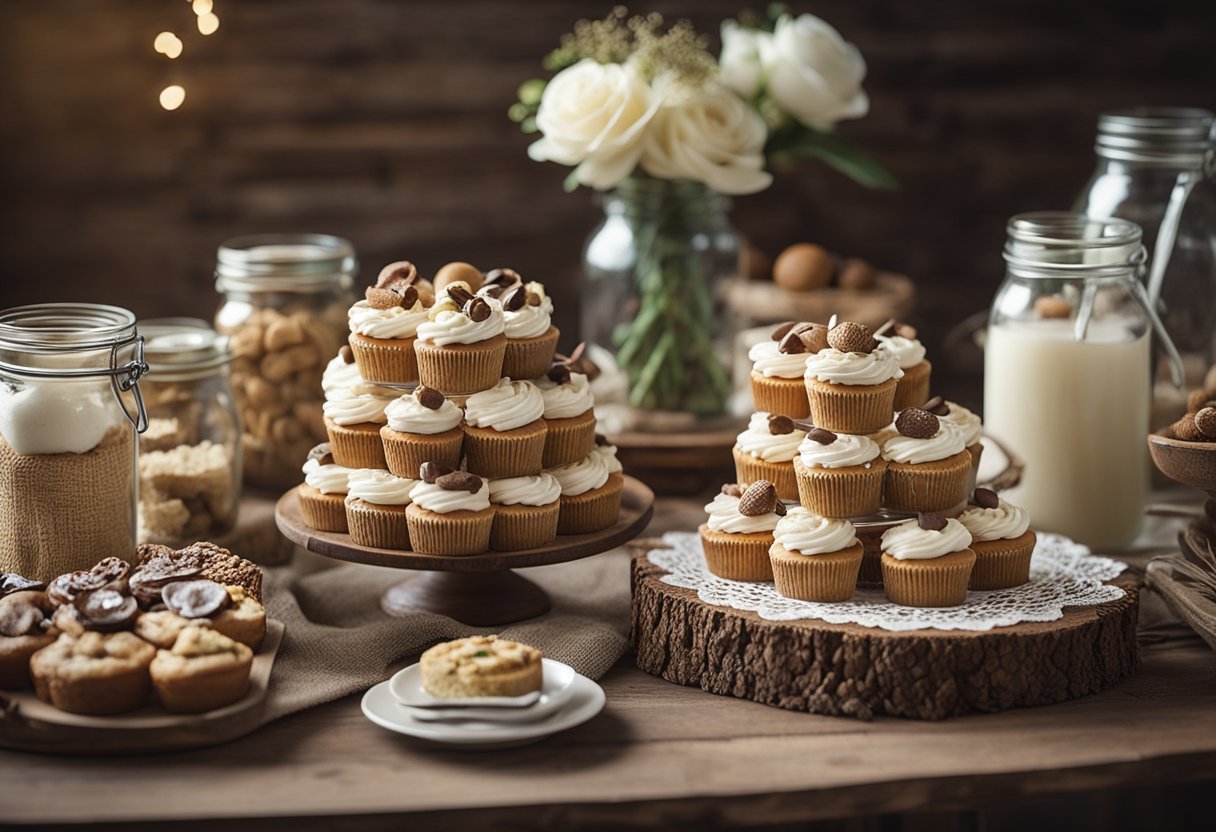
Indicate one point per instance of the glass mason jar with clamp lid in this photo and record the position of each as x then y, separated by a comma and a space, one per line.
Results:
70, 408
285, 303
190, 456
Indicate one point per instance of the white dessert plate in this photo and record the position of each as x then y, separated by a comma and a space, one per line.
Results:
406, 687
381, 707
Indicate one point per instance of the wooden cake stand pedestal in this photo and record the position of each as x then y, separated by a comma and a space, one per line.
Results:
480, 590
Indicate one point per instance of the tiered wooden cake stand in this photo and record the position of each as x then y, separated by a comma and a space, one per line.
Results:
481, 590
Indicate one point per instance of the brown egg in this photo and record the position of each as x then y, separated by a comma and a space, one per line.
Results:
803, 267
856, 274
754, 264
457, 270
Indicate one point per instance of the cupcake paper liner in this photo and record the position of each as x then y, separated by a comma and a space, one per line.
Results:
871, 559
786, 396
356, 446
935, 582
1001, 564
405, 452
385, 360
505, 453
455, 533
750, 469
592, 510
528, 358
855, 491
324, 512
913, 389
844, 408
383, 527
940, 485
569, 440
737, 557
824, 578
524, 527
459, 369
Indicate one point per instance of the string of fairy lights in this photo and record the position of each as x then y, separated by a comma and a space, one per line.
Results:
171, 46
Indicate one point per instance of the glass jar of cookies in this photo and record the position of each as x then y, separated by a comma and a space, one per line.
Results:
70, 409
190, 455
284, 309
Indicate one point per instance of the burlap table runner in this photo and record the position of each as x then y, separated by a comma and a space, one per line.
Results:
1195, 610
338, 642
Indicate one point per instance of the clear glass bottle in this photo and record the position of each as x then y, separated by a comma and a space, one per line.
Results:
190, 456
1066, 373
70, 409
285, 302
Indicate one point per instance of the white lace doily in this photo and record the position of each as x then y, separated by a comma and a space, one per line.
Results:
1062, 574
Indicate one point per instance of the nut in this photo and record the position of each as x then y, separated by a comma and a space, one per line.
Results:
1051, 306
477, 309
502, 277
823, 437
850, 336
430, 472
429, 397
930, 522
401, 273
1205, 422
779, 425
732, 489
781, 330
855, 275
937, 406
515, 299
759, 498
916, 423
1184, 429
985, 498
1198, 399
281, 334
382, 298
803, 267
460, 481
792, 344
814, 335
458, 271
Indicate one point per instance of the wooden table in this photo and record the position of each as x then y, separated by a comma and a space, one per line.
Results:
659, 754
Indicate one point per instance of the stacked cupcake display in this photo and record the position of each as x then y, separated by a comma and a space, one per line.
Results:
493, 447
845, 429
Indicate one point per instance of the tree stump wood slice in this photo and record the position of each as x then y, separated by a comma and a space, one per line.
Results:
849, 670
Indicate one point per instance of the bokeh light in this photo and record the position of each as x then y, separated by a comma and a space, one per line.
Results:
168, 44
172, 96
208, 23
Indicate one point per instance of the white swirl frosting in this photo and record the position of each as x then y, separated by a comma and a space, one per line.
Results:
530, 321
810, 534
908, 352
540, 490
853, 368
430, 496
339, 375
397, 322
450, 326
845, 451
908, 541
769, 361
608, 454
966, 421
379, 487
587, 474
758, 441
328, 479
947, 442
356, 409
505, 406
724, 516
407, 415
562, 401
1004, 522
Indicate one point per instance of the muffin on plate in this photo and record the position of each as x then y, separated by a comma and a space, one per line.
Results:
569, 415
375, 508
94, 673
527, 313
838, 474
766, 451
226, 609
737, 535
353, 418
967, 422
203, 670
900, 340
1002, 540
25, 628
384, 326
450, 513
928, 467
461, 347
323, 493
778, 366
591, 499
851, 383
423, 425
526, 510
481, 666
504, 430
927, 562
815, 558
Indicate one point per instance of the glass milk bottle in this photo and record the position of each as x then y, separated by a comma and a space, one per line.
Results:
1067, 373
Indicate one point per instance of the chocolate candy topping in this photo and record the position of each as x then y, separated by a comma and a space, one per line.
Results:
823, 437
431, 471
937, 406
11, 582
779, 425
401, 273
459, 293
782, 330
195, 599
409, 295
516, 299
429, 397
916, 423
502, 277
163, 568
780, 509
66, 588
930, 522
23, 615
732, 489
792, 344
459, 481
382, 298
478, 309
322, 453
601, 440
759, 498
106, 609
559, 373
985, 498
815, 336
1205, 421
346, 354
850, 336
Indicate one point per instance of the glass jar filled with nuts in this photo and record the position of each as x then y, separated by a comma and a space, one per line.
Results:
285, 302
190, 455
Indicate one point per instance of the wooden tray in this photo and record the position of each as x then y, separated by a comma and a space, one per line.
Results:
29, 724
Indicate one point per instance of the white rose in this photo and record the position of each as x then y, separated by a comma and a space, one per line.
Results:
712, 137
594, 115
813, 73
739, 64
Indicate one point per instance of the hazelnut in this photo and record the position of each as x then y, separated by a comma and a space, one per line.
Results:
804, 267
458, 271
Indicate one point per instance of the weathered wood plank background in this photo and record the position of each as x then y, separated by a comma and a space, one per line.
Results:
385, 122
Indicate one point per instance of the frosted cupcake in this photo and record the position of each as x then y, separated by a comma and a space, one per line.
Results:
421, 426
1002, 540
928, 465
353, 418
376, 503
815, 558
607, 452
965, 421
450, 513
851, 384
926, 562
900, 340
569, 415
591, 499
526, 510
322, 495
766, 451
839, 475
504, 432
460, 348
383, 328
777, 369
341, 372
737, 535
531, 337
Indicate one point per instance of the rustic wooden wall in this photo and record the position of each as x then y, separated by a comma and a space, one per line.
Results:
385, 122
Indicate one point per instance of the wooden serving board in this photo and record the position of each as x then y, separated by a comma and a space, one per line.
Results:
29, 724
850, 670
